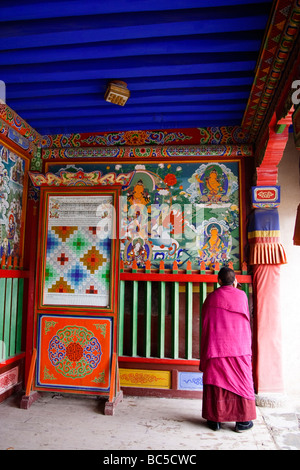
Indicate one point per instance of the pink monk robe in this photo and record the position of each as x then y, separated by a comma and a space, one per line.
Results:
226, 342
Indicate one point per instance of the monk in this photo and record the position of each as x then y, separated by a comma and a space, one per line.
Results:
226, 355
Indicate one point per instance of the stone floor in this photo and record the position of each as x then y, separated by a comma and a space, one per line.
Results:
56, 422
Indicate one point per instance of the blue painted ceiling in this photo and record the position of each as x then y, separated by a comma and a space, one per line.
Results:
187, 63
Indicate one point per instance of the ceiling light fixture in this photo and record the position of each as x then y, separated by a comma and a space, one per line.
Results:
117, 92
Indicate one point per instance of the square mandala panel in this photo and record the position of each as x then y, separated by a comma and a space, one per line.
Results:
74, 353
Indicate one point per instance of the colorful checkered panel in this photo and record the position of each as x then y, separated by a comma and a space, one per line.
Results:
78, 249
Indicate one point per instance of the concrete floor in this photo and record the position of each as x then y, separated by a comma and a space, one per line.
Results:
56, 422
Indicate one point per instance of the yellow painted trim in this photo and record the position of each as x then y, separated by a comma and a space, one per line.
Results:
264, 233
145, 378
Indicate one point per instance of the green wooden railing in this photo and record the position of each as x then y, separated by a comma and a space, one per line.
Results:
11, 309
148, 327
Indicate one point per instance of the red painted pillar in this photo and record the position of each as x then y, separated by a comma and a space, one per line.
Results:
266, 256
268, 374
30, 264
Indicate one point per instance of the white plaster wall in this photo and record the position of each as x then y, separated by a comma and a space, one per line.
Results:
288, 179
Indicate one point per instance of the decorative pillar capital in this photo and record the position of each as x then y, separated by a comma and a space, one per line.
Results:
265, 197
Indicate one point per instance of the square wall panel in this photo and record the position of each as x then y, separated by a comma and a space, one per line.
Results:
74, 353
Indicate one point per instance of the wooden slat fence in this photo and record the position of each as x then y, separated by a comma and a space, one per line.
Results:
12, 279
161, 324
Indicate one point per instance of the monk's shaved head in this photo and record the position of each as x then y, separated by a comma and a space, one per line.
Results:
226, 276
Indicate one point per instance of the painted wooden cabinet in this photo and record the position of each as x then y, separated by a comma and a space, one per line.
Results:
77, 289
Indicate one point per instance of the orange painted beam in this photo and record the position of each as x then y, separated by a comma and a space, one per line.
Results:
267, 171
31, 373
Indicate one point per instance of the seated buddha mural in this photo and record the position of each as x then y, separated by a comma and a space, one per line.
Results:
214, 243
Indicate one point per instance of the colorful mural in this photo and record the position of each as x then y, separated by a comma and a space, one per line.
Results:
12, 171
193, 136
173, 211
161, 152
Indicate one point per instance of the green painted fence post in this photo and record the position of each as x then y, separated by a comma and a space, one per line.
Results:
161, 314
13, 321
7, 315
245, 286
189, 315
175, 315
147, 319
121, 312
20, 316
134, 318
2, 315
216, 271
202, 297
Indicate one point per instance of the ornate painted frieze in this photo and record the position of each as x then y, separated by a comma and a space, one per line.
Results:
278, 44
222, 135
9, 379
18, 131
16, 122
184, 151
16, 138
80, 178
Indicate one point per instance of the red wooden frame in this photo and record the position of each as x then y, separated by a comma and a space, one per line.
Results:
114, 191
75, 311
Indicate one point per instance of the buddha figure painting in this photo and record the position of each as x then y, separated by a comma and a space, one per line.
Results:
212, 184
139, 195
214, 244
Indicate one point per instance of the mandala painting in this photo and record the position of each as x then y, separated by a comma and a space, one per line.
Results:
74, 353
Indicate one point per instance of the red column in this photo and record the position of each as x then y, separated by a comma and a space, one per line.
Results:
268, 376
267, 256
30, 264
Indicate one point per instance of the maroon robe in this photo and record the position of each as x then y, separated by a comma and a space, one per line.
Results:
226, 357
